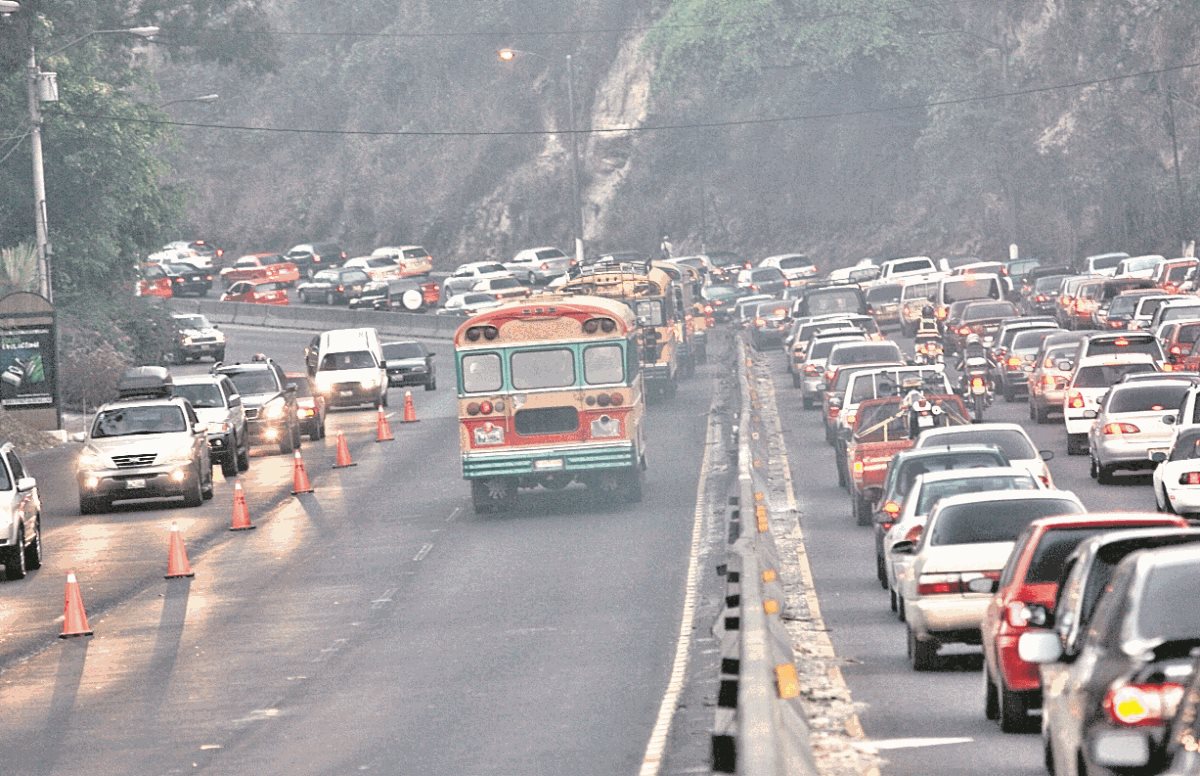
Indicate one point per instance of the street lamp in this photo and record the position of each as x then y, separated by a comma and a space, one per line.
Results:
43, 87
510, 55
204, 98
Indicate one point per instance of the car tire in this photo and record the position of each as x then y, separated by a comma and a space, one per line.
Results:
206, 491
881, 571
921, 654
991, 699
14, 558
806, 402
1104, 474
219, 355
1166, 507
1010, 395
329, 298
383, 400
1077, 444
287, 444
243, 458
1041, 415
893, 601
297, 437
229, 461
431, 385
1014, 710
862, 511
486, 499
194, 496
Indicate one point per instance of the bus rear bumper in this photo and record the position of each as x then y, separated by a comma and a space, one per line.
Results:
536, 461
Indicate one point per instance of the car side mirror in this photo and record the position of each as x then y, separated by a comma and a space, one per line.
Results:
835, 403
215, 326
1047, 455
1090, 414
79, 436
199, 428
1158, 456
1039, 616
1040, 646
1064, 366
26, 484
904, 548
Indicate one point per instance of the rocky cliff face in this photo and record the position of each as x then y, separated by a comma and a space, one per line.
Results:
934, 130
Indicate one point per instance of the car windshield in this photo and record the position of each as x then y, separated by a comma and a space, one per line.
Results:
718, 292
1167, 608
1104, 375
1180, 273
1146, 398
931, 492
1150, 306
502, 283
833, 300
201, 395
974, 312
350, 359
1048, 284
1030, 341
254, 381
1107, 262
1052, 552
969, 288
794, 262
912, 469
403, 350
820, 350
884, 294
327, 276
765, 274
382, 261
865, 354
1123, 304
1187, 445
1187, 332
415, 253
192, 322
129, 421
1010, 441
882, 384
994, 521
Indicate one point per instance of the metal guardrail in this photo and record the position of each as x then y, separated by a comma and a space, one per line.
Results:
322, 318
760, 727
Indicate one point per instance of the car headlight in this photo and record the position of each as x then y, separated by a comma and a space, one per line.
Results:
219, 427
187, 340
218, 335
89, 459
489, 434
370, 382
274, 409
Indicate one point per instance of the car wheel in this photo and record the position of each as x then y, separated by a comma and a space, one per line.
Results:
297, 438
1014, 711
922, 654
321, 429
229, 461
1092, 467
806, 401
1166, 503
901, 611
1077, 444
287, 443
893, 600
862, 511
383, 400
243, 458
1010, 395
329, 298
14, 558
795, 380
206, 491
991, 699
881, 571
1041, 415
495, 494
431, 384
635, 480
219, 355
194, 496
1104, 474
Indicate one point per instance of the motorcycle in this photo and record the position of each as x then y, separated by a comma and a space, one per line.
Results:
977, 386
928, 350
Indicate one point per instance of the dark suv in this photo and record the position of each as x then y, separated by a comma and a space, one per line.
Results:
269, 401
310, 257
334, 286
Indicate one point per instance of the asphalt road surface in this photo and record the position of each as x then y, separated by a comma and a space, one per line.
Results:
930, 722
375, 626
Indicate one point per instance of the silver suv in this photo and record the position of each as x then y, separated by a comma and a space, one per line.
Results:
148, 444
20, 517
219, 406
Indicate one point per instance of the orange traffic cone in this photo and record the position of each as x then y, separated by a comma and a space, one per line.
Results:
300, 483
383, 431
241, 513
343, 453
410, 412
177, 559
74, 617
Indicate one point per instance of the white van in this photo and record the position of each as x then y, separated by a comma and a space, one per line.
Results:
958, 288
350, 367
917, 291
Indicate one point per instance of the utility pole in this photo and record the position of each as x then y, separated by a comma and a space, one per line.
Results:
1182, 210
33, 75
578, 197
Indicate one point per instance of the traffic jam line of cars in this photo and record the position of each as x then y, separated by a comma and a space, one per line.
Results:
1087, 616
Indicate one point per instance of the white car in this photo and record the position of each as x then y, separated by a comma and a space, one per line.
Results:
539, 265
794, 266
1139, 266
924, 494
1177, 476
1103, 263
20, 516
503, 288
1091, 379
812, 375
1135, 420
956, 564
412, 259
1010, 438
469, 304
480, 270
376, 267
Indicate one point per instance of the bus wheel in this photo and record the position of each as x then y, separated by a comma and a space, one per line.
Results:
493, 495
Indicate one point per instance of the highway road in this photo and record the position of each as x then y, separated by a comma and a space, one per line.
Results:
930, 722
375, 626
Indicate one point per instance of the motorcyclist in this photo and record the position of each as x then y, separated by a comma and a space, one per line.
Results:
922, 413
973, 354
665, 248
927, 326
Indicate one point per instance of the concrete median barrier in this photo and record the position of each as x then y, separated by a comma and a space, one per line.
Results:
312, 318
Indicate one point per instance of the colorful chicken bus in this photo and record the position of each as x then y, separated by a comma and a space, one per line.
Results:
550, 393
648, 291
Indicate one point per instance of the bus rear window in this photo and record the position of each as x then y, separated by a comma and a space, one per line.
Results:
603, 365
649, 312
481, 372
551, 368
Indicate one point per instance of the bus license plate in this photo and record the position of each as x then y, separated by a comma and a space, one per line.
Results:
549, 464
135, 484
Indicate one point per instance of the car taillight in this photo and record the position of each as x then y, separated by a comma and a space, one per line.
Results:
544, 266
1075, 400
812, 369
1016, 614
851, 416
976, 382
1048, 381
891, 508
1041, 298
485, 408
753, 287
829, 375
1116, 429
1167, 367
914, 533
964, 330
177, 280
1189, 478
708, 309
941, 313
939, 584
1121, 342
1014, 361
341, 289
1140, 705
760, 322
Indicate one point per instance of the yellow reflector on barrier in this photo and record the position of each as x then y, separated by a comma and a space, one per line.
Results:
758, 495
786, 680
770, 606
769, 575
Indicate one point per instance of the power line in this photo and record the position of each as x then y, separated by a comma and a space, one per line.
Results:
644, 128
16, 144
908, 5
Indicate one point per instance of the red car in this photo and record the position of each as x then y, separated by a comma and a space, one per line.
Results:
1012, 687
262, 292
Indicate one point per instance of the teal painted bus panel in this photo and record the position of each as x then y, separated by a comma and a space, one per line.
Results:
518, 462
